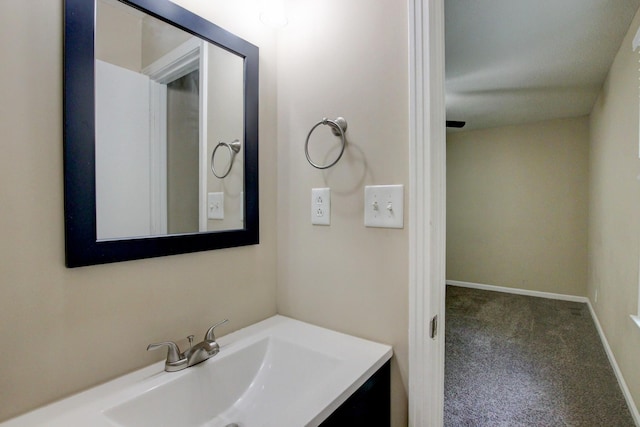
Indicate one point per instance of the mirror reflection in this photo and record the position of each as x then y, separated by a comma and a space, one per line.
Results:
164, 101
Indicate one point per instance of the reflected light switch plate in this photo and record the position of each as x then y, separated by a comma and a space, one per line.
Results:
215, 205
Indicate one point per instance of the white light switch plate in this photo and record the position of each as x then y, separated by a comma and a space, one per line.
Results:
321, 206
384, 206
215, 205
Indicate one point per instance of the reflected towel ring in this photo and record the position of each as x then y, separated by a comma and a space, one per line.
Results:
234, 148
338, 128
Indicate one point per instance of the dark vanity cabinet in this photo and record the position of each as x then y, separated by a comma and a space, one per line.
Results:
369, 406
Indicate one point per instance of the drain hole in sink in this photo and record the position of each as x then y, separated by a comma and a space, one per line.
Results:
232, 425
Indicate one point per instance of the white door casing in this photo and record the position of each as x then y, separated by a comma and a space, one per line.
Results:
427, 211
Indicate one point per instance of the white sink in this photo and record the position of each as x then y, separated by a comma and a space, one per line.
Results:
244, 387
279, 372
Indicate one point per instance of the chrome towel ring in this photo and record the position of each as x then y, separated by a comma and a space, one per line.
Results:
234, 148
338, 128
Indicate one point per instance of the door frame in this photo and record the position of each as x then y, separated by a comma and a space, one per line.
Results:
189, 56
427, 207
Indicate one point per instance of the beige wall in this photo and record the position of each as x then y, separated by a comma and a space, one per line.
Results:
132, 39
68, 329
517, 206
159, 39
614, 224
351, 63
225, 104
115, 28
63, 330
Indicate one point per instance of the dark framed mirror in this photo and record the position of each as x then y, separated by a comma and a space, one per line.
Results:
160, 133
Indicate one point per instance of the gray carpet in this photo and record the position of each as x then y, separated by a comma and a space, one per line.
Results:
515, 360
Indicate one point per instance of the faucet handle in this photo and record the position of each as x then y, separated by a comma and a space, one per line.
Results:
174, 358
210, 336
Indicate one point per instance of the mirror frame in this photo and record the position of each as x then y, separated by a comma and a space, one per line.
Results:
82, 247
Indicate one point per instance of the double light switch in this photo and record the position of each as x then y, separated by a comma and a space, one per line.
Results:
384, 206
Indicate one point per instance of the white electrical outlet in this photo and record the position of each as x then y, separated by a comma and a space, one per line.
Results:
321, 206
215, 205
384, 206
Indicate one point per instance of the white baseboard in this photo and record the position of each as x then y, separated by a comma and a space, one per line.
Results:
517, 291
623, 385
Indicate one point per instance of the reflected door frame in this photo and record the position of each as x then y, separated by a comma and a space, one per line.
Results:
188, 57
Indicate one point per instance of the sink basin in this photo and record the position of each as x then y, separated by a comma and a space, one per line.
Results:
279, 372
238, 388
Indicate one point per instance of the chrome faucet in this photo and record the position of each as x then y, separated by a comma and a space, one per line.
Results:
200, 352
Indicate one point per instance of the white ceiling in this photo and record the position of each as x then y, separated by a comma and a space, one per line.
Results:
522, 61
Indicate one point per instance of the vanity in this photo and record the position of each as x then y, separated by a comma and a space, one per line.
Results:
279, 372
